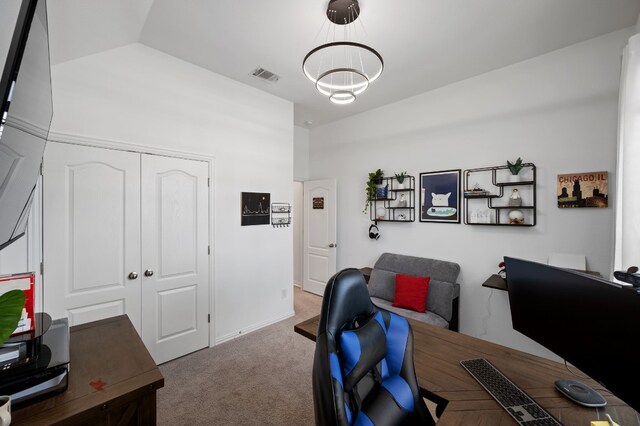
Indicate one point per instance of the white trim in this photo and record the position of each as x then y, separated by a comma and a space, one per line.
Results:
125, 146
147, 149
34, 243
255, 327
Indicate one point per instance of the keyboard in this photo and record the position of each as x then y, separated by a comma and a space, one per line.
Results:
518, 404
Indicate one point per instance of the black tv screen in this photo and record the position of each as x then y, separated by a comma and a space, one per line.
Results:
26, 108
590, 322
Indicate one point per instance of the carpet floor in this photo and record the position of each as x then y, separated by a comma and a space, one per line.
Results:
262, 378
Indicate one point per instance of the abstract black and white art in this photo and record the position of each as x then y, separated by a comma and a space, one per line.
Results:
255, 208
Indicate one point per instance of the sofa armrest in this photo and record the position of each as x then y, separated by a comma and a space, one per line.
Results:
367, 273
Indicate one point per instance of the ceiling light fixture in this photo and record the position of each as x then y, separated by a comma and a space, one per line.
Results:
342, 69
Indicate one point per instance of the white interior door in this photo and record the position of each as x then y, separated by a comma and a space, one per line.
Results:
175, 264
91, 233
319, 234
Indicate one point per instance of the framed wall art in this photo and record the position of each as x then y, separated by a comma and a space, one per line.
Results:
440, 196
589, 189
255, 208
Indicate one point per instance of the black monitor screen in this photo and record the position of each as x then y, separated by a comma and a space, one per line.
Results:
592, 323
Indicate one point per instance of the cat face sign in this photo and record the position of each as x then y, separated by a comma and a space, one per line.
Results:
440, 200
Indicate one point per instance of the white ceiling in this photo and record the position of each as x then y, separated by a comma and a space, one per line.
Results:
425, 43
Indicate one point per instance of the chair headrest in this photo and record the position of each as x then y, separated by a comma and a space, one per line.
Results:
361, 350
346, 301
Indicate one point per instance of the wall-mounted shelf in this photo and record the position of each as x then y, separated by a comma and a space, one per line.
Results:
280, 215
495, 281
487, 202
398, 202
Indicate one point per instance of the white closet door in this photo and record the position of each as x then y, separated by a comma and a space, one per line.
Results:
91, 232
175, 239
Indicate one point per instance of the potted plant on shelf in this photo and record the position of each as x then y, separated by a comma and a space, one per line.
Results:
400, 177
375, 179
514, 168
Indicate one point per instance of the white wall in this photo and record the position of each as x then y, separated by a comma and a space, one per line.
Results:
300, 153
557, 111
138, 95
300, 173
298, 231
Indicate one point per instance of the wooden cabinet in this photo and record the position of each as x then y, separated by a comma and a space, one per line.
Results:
394, 202
488, 196
112, 380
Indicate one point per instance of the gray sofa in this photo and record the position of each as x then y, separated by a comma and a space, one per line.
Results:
443, 294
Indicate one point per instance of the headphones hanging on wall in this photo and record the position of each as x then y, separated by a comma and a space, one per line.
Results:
374, 232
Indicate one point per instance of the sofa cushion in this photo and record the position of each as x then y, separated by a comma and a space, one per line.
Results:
411, 292
428, 317
418, 266
382, 284
440, 296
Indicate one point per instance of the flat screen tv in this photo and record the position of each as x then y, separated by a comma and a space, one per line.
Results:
590, 322
26, 108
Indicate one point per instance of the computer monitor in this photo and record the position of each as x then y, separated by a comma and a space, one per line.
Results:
592, 323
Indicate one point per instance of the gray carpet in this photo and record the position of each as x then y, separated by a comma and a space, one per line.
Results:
262, 378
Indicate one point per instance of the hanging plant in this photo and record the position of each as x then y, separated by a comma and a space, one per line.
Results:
375, 178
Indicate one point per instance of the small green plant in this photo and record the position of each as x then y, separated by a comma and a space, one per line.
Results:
515, 167
11, 304
375, 178
400, 177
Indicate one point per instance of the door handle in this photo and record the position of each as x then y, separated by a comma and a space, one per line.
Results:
133, 275
332, 245
148, 273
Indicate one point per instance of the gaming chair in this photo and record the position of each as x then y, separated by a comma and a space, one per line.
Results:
363, 371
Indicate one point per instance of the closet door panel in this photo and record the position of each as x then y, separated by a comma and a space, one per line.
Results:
175, 239
91, 233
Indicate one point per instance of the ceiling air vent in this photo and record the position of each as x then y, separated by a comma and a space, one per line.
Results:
266, 76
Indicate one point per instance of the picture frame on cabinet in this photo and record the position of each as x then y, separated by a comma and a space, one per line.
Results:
440, 196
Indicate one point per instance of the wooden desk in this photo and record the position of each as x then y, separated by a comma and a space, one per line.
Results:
109, 351
462, 401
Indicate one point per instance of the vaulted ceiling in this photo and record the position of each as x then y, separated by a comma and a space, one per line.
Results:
425, 44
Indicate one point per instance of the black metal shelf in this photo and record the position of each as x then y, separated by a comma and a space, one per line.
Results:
480, 197
499, 224
512, 207
499, 187
517, 183
393, 213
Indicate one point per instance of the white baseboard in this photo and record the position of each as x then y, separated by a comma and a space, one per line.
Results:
249, 329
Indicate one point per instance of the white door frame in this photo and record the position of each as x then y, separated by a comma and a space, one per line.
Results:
300, 217
307, 283
145, 149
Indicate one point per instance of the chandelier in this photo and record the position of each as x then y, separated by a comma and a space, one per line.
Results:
342, 69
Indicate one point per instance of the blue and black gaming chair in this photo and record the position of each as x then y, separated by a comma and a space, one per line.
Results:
363, 371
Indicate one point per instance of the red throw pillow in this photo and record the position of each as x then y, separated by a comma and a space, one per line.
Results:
411, 292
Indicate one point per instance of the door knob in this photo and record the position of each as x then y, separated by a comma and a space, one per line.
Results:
332, 245
133, 275
148, 272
